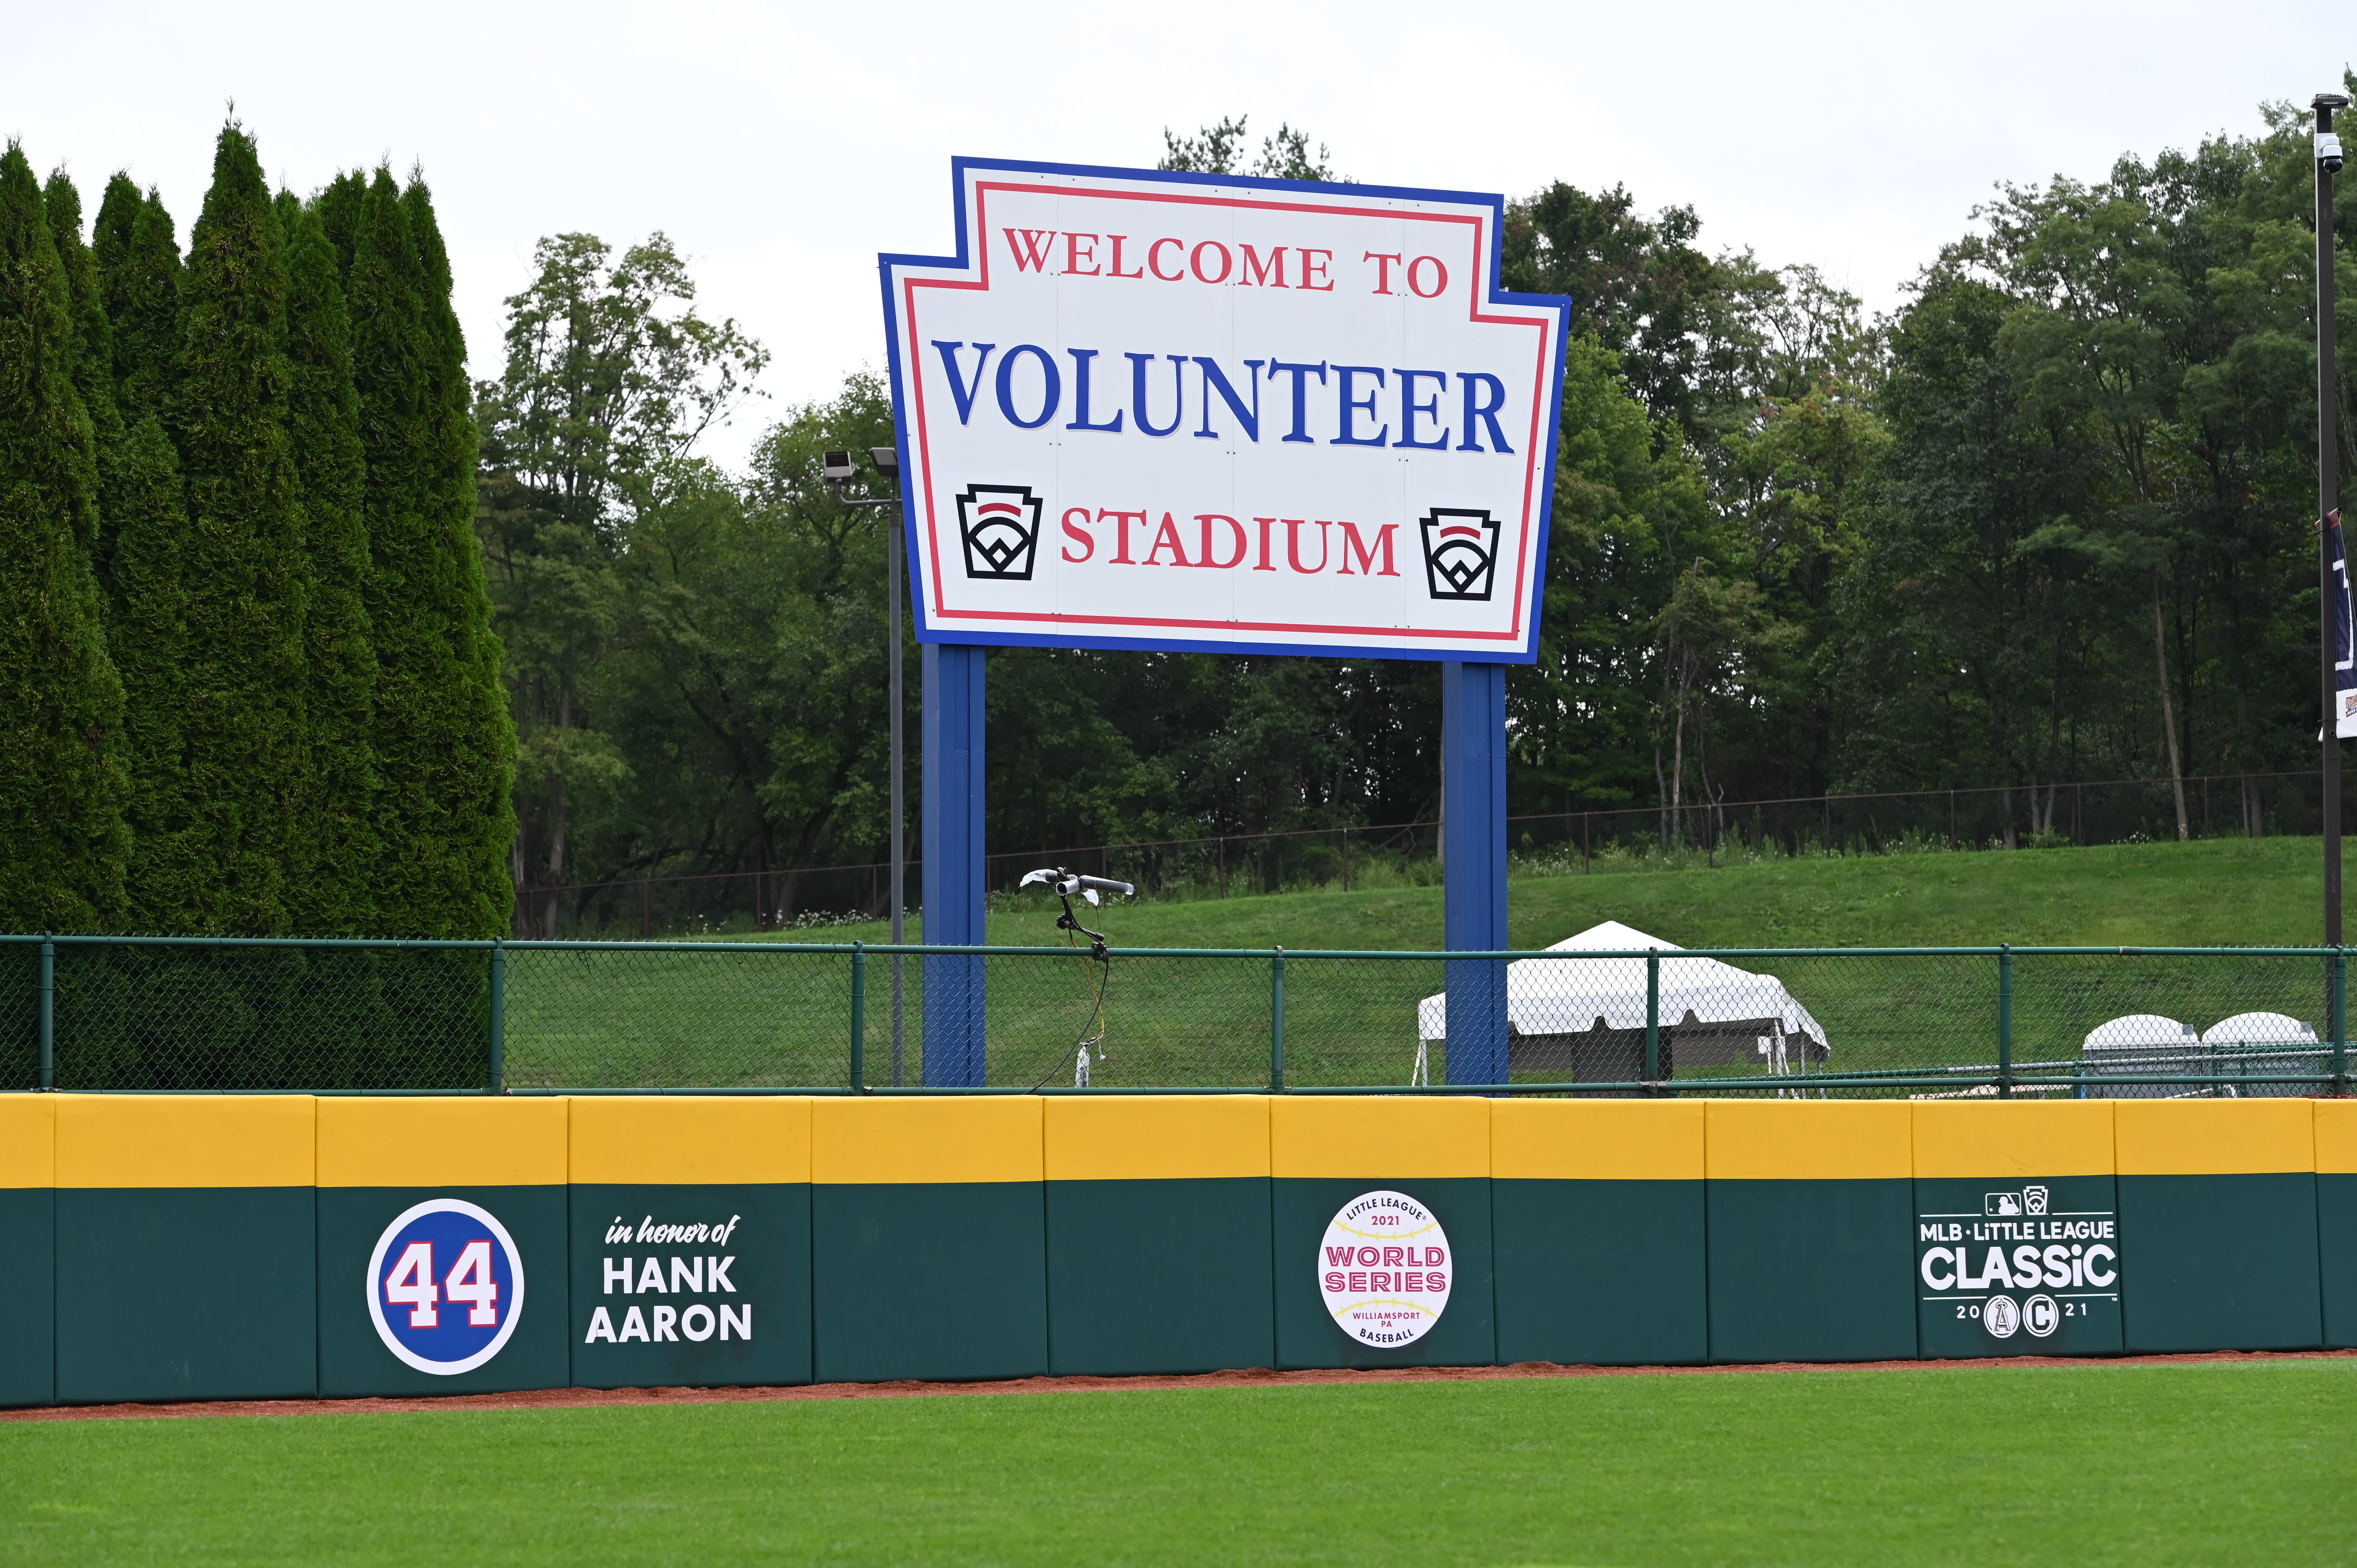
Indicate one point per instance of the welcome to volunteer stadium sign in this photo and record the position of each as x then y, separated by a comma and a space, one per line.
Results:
1153, 410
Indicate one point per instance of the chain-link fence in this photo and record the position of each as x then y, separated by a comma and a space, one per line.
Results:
199, 1014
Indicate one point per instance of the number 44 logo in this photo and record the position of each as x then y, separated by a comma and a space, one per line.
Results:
485, 1277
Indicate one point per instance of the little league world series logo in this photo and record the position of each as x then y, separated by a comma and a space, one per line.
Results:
445, 1286
1384, 1269
1460, 552
1000, 527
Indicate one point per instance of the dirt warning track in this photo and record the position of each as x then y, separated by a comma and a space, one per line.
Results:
1254, 1377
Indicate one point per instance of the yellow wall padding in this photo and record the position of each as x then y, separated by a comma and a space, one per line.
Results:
2013, 1138
1379, 1136
1811, 1140
185, 1139
2336, 1136
983, 1138
682, 1140
1597, 1140
28, 1140
2215, 1137
442, 1141
1146, 1137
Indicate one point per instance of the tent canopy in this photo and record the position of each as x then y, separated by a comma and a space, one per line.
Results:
1574, 994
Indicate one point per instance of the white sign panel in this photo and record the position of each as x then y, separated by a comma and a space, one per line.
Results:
1384, 1268
1147, 410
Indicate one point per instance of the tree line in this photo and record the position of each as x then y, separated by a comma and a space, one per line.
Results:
253, 687
2049, 520
309, 634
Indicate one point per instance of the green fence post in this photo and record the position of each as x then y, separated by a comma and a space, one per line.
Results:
499, 1017
859, 1017
1653, 1022
1276, 1022
2005, 1022
48, 1015
2340, 1022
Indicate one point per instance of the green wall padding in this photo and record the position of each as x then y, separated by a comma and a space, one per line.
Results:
1466, 1335
1158, 1275
1812, 1270
1600, 1273
930, 1280
354, 1361
2221, 1263
763, 1283
28, 1241
2336, 1234
198, 1293
2044, 1315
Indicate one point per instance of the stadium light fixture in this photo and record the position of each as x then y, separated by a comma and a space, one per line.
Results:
836, 468
886, 461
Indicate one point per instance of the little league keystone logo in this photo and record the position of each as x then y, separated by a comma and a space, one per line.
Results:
1384, 1269
1000, 526
1460, 552
445, 1286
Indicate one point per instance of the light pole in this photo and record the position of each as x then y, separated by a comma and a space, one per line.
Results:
839, 470
2327, 501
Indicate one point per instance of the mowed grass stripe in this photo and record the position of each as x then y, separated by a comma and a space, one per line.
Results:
2203, 1463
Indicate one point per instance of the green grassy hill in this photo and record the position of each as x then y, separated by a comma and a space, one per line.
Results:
2220, 892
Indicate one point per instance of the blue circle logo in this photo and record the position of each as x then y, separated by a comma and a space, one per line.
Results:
445, 1286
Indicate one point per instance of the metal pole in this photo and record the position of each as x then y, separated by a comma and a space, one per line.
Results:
499, 1017
48, 1015
2339, 1023
1277, 1022
1654, 1019
2005, 1022
2327, 488
859, 1017
900, 811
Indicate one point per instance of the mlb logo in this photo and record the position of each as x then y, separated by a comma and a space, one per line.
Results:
1460, 552
1000, 527
2001, 1203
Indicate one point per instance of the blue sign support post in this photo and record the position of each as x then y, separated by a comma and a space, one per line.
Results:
954, 879
1473, 827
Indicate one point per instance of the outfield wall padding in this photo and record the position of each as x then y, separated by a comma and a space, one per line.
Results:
2336, 1219
186, 1253
1157, 1214
378, 1158
691, 1242
929, 1239
1596, 1210
2218, 1201
221, 1246
28, 1242
1809, 1208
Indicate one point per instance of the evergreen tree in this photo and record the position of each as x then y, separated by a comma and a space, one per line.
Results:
148, 634
61, 782
334, 891
243, 562
444, 743
138, 263
339, 207
93, 346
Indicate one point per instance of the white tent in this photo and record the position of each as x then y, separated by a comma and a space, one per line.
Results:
1572, 996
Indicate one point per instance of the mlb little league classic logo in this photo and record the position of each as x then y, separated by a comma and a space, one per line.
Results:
1460, 552
445, 1286
1000, 527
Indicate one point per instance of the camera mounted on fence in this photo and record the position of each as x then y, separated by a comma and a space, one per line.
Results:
1064, 883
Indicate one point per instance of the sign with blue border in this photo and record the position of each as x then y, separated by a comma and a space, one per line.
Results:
1139, 409
445, 1286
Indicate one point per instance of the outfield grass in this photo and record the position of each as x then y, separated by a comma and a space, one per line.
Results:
2150, 1465
747, 1017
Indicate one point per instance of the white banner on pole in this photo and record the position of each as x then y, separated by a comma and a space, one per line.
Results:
1150, 410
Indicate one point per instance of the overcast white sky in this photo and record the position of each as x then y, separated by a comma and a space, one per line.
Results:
781, 147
